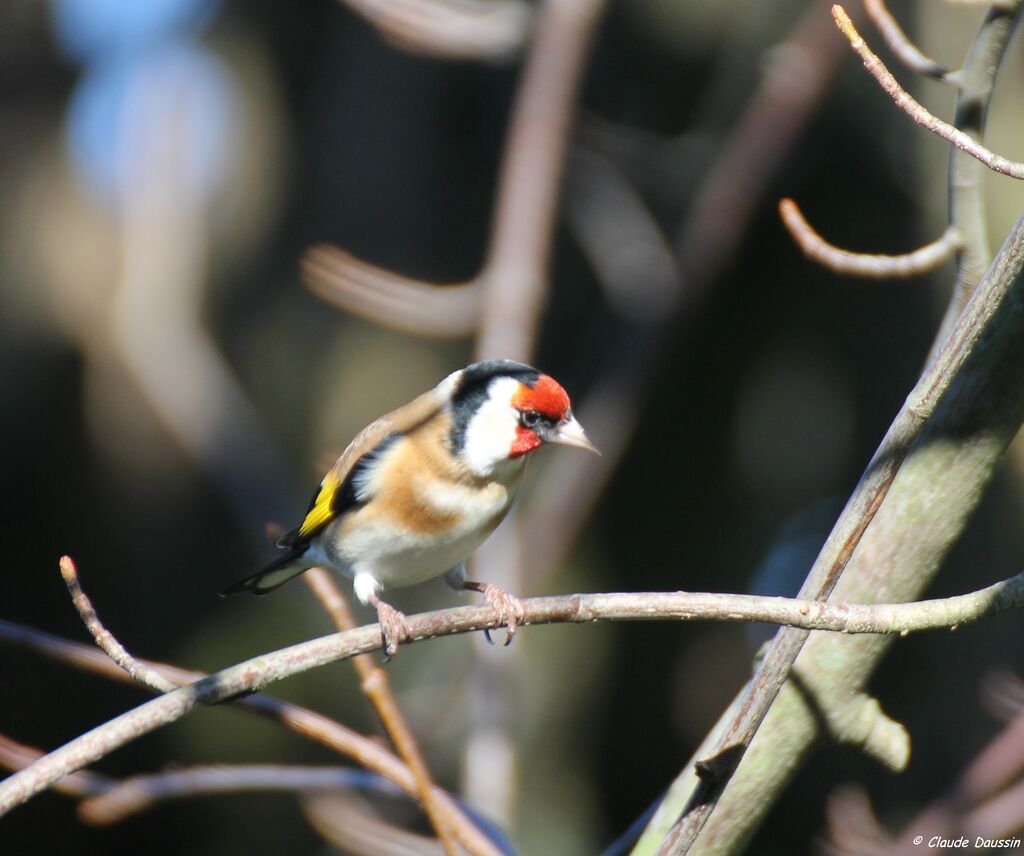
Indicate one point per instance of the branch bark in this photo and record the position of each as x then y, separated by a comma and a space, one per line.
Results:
931, 471
254, 674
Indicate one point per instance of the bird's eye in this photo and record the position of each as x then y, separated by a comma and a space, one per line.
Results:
529, 418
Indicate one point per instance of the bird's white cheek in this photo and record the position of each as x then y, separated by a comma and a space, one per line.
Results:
489, 437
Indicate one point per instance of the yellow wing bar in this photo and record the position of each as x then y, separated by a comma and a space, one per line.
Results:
322, 510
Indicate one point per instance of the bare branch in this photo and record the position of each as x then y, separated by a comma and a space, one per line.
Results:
917, 111
346, 822
515, 280
377, 687
515, 273
259, 671
900, 44
969, 378
988, 4
976, 82
104, 638
450, 29
82, 783
327, 732
874, 266
795, 81
1002, 694
139, 793
389, 299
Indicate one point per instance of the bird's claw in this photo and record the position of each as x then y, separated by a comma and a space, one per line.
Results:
394, 628
509, 608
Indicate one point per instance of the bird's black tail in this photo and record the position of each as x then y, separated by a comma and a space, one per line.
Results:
274, 575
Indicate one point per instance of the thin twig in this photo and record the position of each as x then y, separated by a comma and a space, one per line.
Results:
874, 266
104, 638
389, 299
900, 44
450, 29
375, 684
916, 111
307, 723
138, 793
258, 672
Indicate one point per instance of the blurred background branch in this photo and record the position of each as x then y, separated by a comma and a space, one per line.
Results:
168, 385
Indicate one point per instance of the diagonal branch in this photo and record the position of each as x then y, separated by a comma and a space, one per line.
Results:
256, 673
375, 684
872, 265
915, 110
327, 732
971, 372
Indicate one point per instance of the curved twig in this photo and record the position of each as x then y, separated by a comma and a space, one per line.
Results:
915, 110
872, 265
900, 44
450, 29
253, 674
389, 299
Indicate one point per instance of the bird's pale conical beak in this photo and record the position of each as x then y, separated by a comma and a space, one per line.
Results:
570, 433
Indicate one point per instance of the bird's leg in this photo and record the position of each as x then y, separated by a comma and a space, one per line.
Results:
509, 608
394, 626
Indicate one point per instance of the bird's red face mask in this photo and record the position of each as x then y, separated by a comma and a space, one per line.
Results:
545, 416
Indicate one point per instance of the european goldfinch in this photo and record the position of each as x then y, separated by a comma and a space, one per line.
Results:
419, 489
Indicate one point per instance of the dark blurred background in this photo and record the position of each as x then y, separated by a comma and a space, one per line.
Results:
169, 387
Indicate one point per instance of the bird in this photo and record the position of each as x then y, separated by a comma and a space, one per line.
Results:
420, 488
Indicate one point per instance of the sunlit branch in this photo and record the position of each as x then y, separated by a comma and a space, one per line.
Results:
874, 266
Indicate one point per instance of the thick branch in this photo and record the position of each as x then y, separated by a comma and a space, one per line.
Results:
254, 674
972, 409
976, 82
